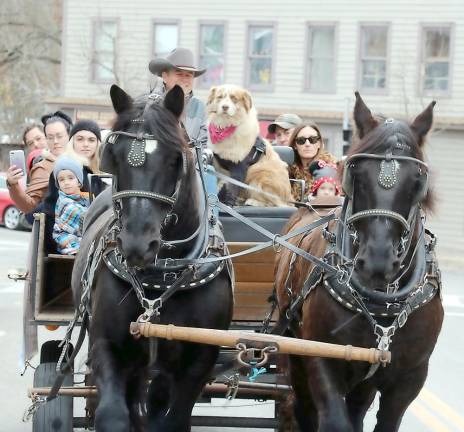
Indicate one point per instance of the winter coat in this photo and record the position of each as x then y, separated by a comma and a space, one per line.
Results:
69, 215
193, 118
37, 188
296, 171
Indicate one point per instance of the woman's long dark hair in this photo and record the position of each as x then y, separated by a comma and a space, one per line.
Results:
295, 133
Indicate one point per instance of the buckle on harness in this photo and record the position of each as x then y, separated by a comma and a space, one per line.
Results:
384, 336
170, 277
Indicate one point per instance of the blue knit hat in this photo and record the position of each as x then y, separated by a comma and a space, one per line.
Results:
67, 163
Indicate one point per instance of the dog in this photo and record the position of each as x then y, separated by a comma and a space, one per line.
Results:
241, 153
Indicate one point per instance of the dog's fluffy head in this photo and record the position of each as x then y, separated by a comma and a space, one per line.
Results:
228, 104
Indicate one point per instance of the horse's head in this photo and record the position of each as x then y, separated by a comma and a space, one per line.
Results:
386, 179
146, 153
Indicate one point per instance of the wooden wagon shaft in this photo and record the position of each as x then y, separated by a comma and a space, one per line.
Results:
285, 345
245, 388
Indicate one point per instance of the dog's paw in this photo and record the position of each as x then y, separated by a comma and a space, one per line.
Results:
253, 202
226, 196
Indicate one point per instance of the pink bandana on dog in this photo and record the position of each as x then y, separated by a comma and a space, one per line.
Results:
218, 134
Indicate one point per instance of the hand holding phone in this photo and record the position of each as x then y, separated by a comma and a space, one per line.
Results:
17, 167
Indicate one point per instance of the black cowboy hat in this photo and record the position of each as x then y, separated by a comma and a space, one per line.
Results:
178, 58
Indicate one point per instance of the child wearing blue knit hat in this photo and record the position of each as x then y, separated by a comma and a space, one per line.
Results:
70, 206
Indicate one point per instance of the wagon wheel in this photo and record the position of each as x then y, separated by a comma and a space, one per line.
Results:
56, 415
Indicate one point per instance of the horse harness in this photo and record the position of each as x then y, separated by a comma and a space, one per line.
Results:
165, 277
394, 306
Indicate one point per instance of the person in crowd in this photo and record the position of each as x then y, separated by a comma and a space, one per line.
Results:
82, 146
308, 145
56, 128
178, 68
325, 179
70, 205
34, 138
283, 127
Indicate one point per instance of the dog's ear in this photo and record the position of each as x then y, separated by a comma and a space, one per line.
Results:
246, 99
212, 95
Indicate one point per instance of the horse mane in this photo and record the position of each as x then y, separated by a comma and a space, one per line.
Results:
384, 137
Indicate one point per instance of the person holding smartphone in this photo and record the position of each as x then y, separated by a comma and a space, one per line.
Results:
56, 128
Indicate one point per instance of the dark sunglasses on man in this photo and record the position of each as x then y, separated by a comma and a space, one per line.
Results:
312, 139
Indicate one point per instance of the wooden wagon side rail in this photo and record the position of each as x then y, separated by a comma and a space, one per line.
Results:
284, 345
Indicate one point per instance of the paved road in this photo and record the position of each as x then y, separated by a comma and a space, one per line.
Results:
439, 408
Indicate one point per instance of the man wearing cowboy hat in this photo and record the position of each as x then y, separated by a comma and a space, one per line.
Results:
178, 68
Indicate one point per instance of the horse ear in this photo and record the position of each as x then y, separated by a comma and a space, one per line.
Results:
120, 99
363, 118
174, 100
423, 122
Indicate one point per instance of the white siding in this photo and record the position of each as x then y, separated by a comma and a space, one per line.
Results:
291, 17
445, 153
405, 19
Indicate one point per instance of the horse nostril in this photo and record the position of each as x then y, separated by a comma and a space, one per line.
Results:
360, 263
396, 265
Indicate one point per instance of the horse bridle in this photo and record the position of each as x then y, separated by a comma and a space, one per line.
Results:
136, 158
387, 179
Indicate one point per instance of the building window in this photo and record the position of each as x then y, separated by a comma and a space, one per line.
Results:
104, 57
260, 56
212, 54
373, 58
165, 38
436, 60
321, 58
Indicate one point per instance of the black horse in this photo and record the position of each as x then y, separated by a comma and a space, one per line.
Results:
385, 293
158, 215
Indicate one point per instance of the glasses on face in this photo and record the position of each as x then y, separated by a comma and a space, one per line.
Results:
52, 138
312, 140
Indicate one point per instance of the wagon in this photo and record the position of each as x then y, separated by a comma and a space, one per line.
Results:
50, 304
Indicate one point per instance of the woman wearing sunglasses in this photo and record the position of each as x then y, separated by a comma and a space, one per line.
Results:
306, 141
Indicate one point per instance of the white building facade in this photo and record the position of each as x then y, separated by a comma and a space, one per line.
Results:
296, 56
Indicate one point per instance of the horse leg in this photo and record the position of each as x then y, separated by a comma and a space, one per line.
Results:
112, 413
358, 402
304, 409
135, 393
159, 394
186, 385
325, 383
396, 398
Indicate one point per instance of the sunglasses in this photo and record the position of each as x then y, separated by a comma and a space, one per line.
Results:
312, 140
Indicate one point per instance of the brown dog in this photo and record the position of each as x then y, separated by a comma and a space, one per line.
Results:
241, 153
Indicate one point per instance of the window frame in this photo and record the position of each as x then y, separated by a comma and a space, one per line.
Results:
224, 24
376, 91
307, 79
261, 88
162, 21
423, 27
95, 23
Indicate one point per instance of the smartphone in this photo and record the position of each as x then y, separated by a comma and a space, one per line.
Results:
17, 158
